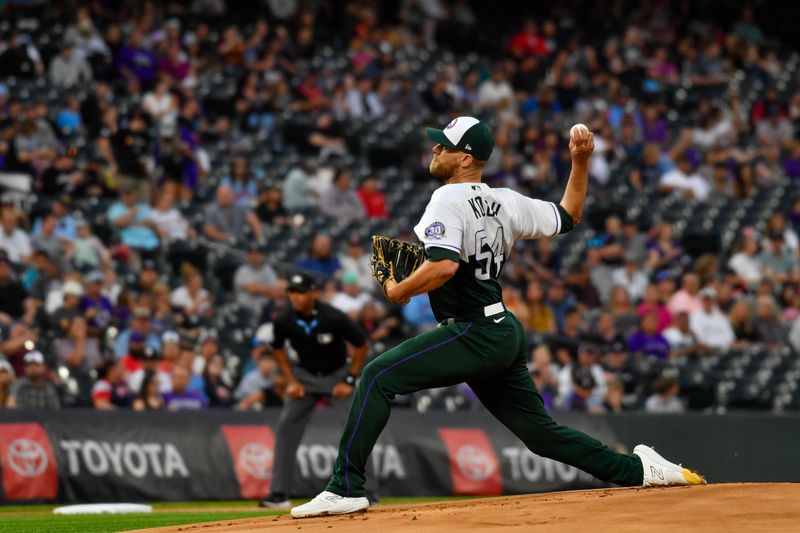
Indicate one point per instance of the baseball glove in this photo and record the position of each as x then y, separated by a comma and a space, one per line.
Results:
393, 259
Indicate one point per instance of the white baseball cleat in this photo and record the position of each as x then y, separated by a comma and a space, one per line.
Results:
660, 472
326, 503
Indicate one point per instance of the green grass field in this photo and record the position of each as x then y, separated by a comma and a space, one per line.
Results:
40, 519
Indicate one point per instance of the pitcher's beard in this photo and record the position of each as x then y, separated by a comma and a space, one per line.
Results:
437, 169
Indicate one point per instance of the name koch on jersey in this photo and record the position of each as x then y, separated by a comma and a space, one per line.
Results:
460, 213
476, 225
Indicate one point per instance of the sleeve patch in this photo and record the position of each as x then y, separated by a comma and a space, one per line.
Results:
435, 231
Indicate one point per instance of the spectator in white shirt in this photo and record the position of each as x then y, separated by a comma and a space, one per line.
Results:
69, 68
88, 41
710, 325
682, 339
255, 386
341, 202
256, 283
15, 242
357, 261
683, 180
162, 106
794, 334
717, 129
362, 101
777, 224
587, 359
745, 263
297, 192
665, 399
351, 299
191, 297
631, 277
169, 222
496, 92
149, 361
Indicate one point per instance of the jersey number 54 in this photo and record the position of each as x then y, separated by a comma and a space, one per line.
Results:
490, 258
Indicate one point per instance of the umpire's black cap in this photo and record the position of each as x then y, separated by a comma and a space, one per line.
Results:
302, 282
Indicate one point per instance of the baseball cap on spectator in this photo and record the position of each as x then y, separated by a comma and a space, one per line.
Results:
33, 357
5, 366
583, 378
302, 282
617, 347
186, 343
149, 264
141, 312
354, 240
208, 337
170, 336
350, 278
95, 276
72, 288
63, 199
588, 348
466, 134
708, 292
661, 276
149, 354
629, 221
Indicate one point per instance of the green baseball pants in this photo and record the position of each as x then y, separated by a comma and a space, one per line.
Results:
490, 357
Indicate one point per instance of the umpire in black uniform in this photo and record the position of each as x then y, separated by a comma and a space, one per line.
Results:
319, 334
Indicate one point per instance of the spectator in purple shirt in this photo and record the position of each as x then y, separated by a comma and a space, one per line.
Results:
791, 164
181, 399
654, 127
136, 63
95, 306
174, 63
648, 341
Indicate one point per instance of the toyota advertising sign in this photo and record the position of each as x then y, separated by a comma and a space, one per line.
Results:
146, 456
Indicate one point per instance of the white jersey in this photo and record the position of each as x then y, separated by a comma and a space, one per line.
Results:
479, 225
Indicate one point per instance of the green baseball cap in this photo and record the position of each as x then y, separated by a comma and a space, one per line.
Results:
466, 134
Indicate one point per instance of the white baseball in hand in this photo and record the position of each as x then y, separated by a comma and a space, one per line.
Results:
578, 131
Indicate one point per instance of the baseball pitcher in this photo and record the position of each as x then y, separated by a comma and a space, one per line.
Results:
468, 230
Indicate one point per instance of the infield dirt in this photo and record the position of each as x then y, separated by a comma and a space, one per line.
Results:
728, 508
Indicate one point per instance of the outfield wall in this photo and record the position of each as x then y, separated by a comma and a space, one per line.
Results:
84, 456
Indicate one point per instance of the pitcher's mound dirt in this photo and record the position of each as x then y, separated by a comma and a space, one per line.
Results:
724, 508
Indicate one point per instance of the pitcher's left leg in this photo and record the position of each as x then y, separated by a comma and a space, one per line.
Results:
513, 399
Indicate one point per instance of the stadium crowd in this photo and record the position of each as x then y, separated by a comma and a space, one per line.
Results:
138, 175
